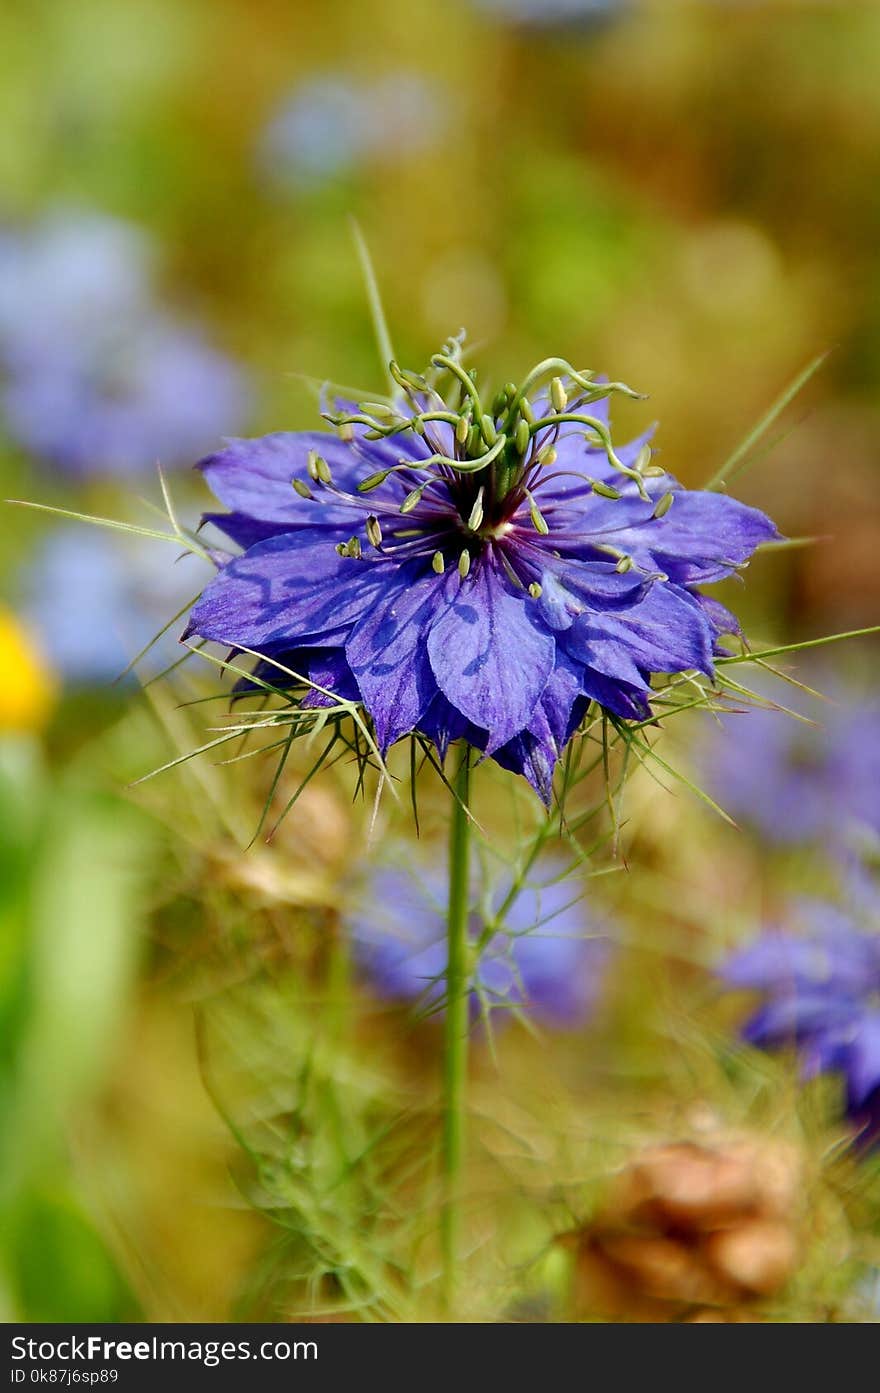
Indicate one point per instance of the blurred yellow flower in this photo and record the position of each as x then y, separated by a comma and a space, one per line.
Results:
27, 684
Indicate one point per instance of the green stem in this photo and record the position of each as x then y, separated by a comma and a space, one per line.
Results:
456, 1028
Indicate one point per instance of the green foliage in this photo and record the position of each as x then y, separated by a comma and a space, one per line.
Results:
74, 860
638, 196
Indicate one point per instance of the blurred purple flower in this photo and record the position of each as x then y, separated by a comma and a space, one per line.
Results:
556, 14
95, 379
95, 601
541, 960
794, 782
821, 990
330, 124
134, 395
66, 275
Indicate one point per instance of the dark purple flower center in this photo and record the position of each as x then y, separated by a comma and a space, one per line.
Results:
474, 478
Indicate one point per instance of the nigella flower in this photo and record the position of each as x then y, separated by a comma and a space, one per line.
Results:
541, 959
472, 574
821, 993
94, 378
60, 276
133, 395
331, 124
556, 14
794, 782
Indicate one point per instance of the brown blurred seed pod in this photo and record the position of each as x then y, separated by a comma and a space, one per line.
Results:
692, 1231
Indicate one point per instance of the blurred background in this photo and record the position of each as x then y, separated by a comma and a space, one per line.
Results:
685, 196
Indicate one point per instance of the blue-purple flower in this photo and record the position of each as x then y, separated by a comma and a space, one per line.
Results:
95, 601
821, 993
556, 14
546, 957
333, 123
94, 377
471, 573
66, 273
793, 782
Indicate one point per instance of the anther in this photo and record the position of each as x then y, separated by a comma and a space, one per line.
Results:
318, 468
412, 500
539, 522
475, 443
476, 516
604, 490
373, 481
351, 548
488, 431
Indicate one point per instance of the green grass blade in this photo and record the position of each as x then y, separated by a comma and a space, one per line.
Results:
737, 462
179, 539
796, 647
130, 666
377, 313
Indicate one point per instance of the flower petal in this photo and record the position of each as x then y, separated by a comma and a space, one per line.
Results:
489, 652
285, 593
665, 632
702, 538
255, 477
719, 616
325, 667
388, 655
629, 699
863, 1066
570, 588
534, 758
244, 530
799, 1017
560, 700
779, 962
